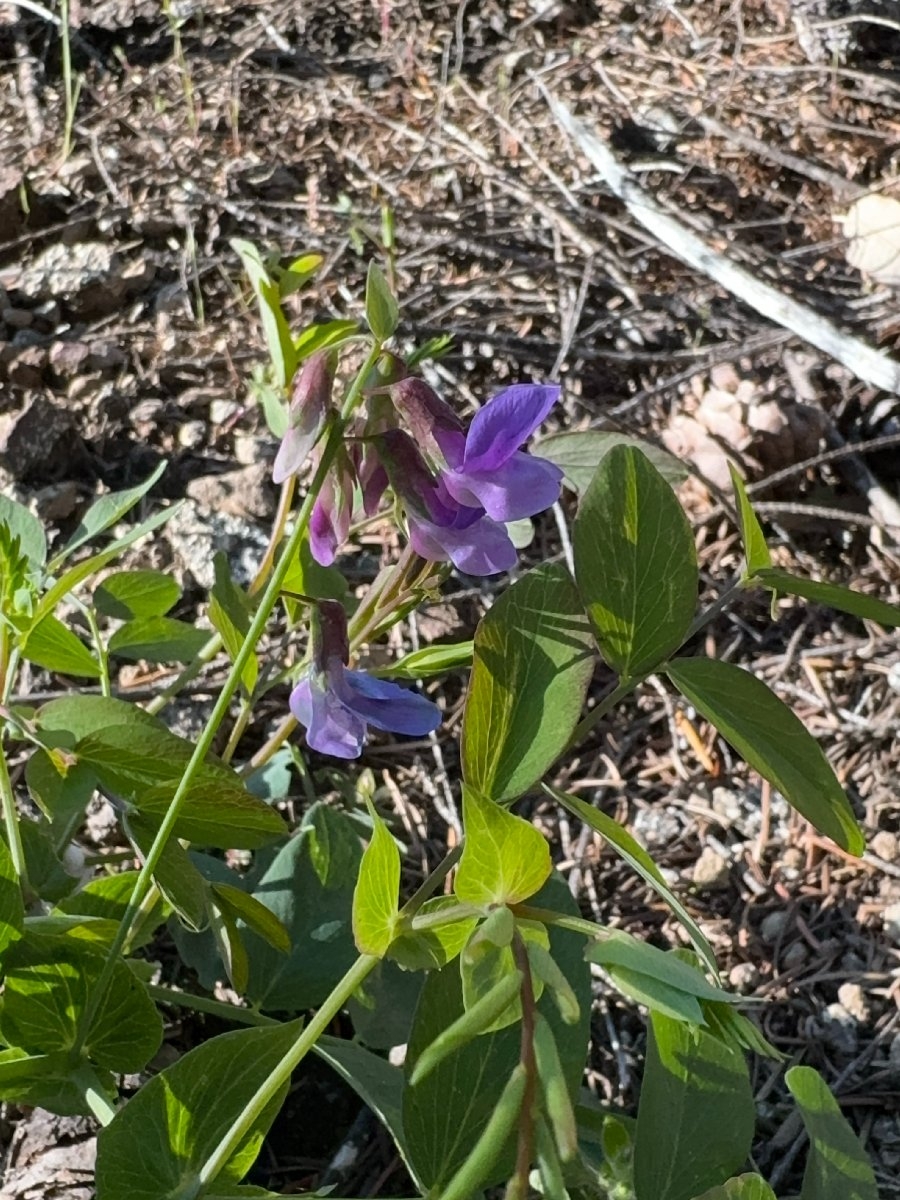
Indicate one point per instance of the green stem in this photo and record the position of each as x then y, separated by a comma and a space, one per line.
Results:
239, 728
623, 688
547, 916
263, 1095
204, 744
11, 821
99, 1105
102, 657
215, 1008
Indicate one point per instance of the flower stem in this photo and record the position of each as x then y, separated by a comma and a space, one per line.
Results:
11, 822
517, 1188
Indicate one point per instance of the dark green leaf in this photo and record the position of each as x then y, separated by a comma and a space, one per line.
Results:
78, 716
158, 640
230, 612
46, 991
129, 594
696, 1113
579, 453
46, 873
12, 909
50, 1081
756, 552
376, 901
59, 786
382, 1008
106, 512
534, 657
858, 604
837, 1167
254, 914
505, 859
27, 528
772, 740
635, 563
51, 645
175, 875
279, 342
382, 313
742, 1187
156, 1146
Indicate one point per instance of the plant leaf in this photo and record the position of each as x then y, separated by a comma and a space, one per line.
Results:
376, 896
756, 552
50, 1081
774, 742
279, 342
429, 661
741, 1187
858, 604
51, 645
635, 563
579, 453
159, 1142
382, 313
505, 859
23, 525
230, 613
12, 908
125, 595
158, 640
696, 1113
837, 1167
534, 657
106, 511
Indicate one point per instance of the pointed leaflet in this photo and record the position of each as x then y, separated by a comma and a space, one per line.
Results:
505, 859
51, 645
837, 1167
105, 512
275, 327
534, 657
696, 1113
742, 1187
12, 909
773, 741
127, 594
376, 898
579, 452
382, 313
756, 552
158, 640
27, 528
858, 604
51, 1081
635, 563
158, 1143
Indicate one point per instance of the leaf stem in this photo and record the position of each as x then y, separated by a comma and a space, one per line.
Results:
11, 822
215, 1008
517, 1189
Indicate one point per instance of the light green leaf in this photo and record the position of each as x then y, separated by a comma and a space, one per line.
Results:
429, 661
128, 594
696, 1113
27, 528
298, 273
46, 990
773, 741
382, 313
837, 1167
107, 897
279, 342
632, 852
321, 337
12, 909
156, 1146
66, 720
376, 897
230, 613
505, 859
534, 658
158, 640
106, 512
431, 949
51, 1081
486, 961
858, 604
254, 914
756, 552
579, 453
51, 645
741, 1187
635, 563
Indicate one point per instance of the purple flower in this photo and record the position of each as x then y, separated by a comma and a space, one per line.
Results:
307, 415
489, 469
329, 522
336, 704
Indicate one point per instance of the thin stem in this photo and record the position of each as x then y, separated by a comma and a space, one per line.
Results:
263, 1095
547, 916
11, 822
239, 728
427, 888
215, 1008
285, 500
270, 747
220, 709
91, 617
518, 1185
623, 688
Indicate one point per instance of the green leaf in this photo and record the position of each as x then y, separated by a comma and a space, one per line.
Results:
429, 661
309, 578
325, 335
376, 896
579, 453
635, 563
175, 875
46, 874
48, 982
27, 528
51, 645
279, 342
837, 1167
480, 1017
382, 1008
254, 914
696, 1113
76, 717
773, 741
12, 909
632, 852
107, 897
158, 640
129, 594
50, 1081
858, 604
230, 612
59, 786
382, 313
534, 657
505, 859
486, 960
156, 1146
741, 1187
298, 273
106, 512
756, 552
431, 949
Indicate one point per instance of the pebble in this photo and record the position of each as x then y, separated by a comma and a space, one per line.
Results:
773, 926
838, 1030
885, 845
853, 999
192, 435
795, 956
743, 977
710, 870
891, 919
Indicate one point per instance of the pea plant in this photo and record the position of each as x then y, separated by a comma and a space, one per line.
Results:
483, 972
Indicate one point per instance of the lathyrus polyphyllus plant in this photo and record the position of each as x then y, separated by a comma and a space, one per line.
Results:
336, 704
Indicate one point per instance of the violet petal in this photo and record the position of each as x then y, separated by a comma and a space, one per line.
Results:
518, 488
388, 706
331, 727
483, 548
505, 423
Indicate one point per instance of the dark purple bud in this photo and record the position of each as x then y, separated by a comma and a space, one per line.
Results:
430, 420
330, 643
411, 477
307, 414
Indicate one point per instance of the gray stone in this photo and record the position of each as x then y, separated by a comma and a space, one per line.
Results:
710, 870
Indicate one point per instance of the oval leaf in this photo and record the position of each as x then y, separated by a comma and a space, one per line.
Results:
534, 657
774, 742
578, 453
51, 645
635, 563
375, 899
127, 594
837, 1167
505, 860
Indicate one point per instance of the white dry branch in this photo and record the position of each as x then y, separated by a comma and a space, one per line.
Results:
864, 361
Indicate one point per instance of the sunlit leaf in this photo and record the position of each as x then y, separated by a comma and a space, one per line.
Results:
505, 859
837, 1167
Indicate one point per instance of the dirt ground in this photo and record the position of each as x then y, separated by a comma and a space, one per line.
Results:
127, 337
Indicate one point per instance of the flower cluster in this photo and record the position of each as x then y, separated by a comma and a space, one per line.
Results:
336, 704
458, 487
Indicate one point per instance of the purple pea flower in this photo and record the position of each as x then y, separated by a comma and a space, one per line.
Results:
307, 414
329, 522
336, 704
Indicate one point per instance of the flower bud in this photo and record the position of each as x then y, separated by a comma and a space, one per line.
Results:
307, 414
431, 421
411, 478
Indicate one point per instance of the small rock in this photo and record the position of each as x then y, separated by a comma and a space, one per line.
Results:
244, 493
192, 435
222, 410
656, 826
710, 870
795, 956
774, 925
58, 501
838, 1030
727, 804
31, 439
25, 367
195, 535
17, 318
67, 358
249, 449
885, 845
891, 919
743, 977
853, 999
